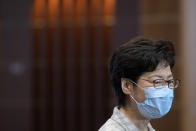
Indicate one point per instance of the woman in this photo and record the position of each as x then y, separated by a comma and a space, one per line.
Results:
141, 77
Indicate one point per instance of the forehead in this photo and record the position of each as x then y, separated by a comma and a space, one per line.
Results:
161, 70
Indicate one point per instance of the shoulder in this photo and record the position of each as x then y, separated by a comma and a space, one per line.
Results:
111, 125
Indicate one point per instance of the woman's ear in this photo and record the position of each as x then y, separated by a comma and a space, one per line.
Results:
127, 86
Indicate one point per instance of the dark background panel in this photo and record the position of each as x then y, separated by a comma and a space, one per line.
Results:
15, 65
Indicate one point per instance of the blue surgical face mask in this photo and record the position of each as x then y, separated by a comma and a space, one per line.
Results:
157, 103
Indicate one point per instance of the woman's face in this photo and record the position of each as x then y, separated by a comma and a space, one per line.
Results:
161, 72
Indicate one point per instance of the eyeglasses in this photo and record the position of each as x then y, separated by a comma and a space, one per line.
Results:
160, 83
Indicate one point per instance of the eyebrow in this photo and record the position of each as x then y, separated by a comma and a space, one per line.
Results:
161, 76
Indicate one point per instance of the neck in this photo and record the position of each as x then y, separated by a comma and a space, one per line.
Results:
132, 113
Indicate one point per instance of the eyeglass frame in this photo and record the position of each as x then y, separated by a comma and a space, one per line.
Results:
166, 81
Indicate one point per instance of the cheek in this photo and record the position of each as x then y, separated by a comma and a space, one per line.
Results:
139, 95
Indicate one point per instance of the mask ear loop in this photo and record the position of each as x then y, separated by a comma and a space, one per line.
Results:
133, 99
134, 85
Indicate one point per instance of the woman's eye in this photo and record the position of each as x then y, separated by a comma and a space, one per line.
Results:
171, 81
158, 81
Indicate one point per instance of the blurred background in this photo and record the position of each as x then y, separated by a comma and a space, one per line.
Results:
54, 58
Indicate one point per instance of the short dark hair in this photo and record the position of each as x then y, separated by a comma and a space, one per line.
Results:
136, 57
